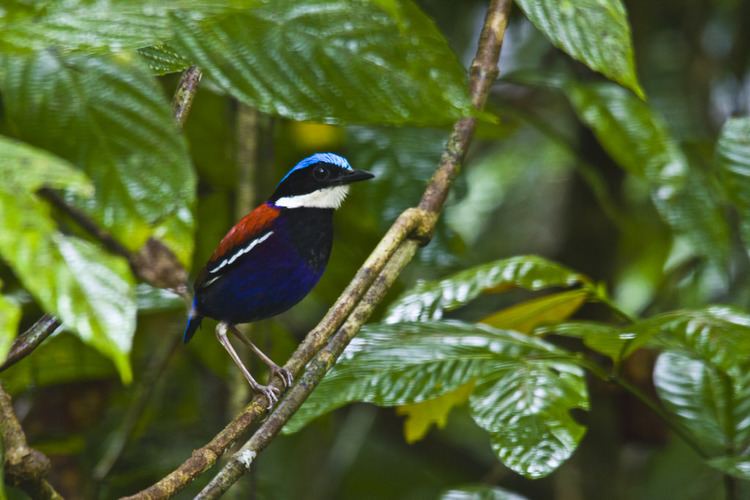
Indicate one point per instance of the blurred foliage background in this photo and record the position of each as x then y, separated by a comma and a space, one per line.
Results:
615, 143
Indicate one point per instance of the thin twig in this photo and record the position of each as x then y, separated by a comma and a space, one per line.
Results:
30, 339
184, 94
483, 73
25, 467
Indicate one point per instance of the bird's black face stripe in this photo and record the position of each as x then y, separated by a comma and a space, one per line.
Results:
309, 179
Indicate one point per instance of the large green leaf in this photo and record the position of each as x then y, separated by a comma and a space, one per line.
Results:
89, 290
595, 32
527, 412
525, 391
10, 315
430, 299
98, 25
332, 61
638, 140
703, 377
717, 334
712, 403
107, 115
734, 163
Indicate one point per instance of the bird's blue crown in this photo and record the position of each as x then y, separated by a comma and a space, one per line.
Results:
331, 158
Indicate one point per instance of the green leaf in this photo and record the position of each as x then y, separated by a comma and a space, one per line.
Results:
98, 25
163, 59
703, 378
10, 316
420, 417
527, 414
638, 140
379, 65
28, 168
733, 152
89, 290
525, 387
107, 115
717, 334
526, 316
431, 299
595, 32
713, 404
480, 493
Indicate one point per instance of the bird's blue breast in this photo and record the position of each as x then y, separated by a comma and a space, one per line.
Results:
275, 274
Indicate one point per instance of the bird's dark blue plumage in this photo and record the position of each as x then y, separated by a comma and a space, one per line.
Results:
274, 256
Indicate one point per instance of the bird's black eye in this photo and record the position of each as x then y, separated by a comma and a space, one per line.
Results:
321, 173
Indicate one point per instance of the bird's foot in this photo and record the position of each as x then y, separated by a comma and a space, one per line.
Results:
270, 392
285, 375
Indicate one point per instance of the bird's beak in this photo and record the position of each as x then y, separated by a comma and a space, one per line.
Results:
354, 176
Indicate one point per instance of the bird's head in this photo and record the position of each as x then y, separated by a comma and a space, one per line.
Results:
319, 181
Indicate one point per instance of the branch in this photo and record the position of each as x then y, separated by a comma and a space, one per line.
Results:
328, 339
30, 339
154, 263
24, 467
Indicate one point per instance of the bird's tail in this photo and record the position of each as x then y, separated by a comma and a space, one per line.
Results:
194, 322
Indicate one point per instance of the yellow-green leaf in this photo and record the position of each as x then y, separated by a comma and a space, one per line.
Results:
429, 300
90, 290
421, 416
526, 316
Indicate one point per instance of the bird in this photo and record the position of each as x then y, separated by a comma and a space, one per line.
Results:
273, 257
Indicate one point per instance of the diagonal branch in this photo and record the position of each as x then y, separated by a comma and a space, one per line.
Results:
328, 339
484, 71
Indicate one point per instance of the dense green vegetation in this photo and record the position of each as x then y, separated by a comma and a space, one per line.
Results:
578, 327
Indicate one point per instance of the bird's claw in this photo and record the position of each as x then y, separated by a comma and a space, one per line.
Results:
271, 393
287, 379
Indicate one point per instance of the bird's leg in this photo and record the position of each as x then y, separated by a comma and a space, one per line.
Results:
271, 393
284, 374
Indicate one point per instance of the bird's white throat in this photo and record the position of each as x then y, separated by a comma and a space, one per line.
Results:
330, 197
